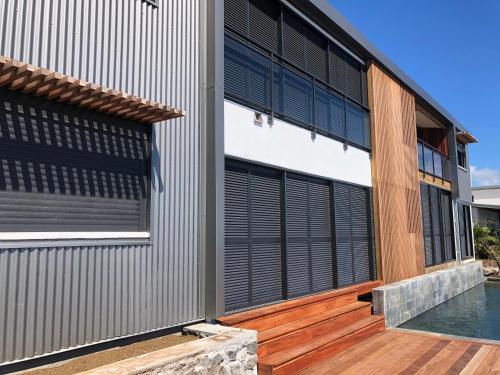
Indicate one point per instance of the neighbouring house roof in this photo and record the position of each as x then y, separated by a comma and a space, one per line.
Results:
487, 206
491, 187
353, 36
18, 75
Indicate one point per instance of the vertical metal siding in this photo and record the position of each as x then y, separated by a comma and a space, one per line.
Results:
54, 298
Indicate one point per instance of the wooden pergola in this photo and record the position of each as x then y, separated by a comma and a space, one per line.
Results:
30, 79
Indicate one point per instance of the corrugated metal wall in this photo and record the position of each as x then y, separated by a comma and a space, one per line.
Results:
53, 298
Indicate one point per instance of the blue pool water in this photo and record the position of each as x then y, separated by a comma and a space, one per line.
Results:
475, 313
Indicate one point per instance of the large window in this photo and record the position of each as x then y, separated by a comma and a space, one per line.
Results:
289, 235
315, 83
296, 97
437, 218
64, 169
433, 162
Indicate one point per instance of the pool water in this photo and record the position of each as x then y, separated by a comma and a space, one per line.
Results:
474, 313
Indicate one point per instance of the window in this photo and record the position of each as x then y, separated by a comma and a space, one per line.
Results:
303, 58
420, 147
292, 95
358, 126
464, 223
247, 73
461, 155
329, 113
295, 96
437, 225
428, 160
65, 169
289, 235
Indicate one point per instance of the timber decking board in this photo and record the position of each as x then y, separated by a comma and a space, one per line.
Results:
407, 353
298, 324
281, 358
299, 333
396, 189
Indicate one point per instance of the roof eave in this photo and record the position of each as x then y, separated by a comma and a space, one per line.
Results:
383, 60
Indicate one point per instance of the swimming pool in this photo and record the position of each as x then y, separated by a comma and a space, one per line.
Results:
474, 313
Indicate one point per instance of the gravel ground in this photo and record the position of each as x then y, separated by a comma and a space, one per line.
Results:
93, 360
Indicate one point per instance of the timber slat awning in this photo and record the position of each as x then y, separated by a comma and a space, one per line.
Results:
29, 79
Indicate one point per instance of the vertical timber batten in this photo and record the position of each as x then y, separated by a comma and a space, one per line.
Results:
396, 186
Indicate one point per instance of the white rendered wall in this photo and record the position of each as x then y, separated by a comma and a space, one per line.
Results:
288, 146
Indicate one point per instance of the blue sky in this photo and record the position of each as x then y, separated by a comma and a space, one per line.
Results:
451, 48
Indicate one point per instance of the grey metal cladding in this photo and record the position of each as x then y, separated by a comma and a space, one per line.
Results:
56, 297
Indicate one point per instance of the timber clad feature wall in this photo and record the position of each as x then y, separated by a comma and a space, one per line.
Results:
396, 186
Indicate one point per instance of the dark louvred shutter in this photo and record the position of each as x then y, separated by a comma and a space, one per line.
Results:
353, 79
316, 54
357, 126
436, 225
246, 73
361, 240
292, 95
236, 226
427, 223
294, 39
329, 113
297, 248
67, 169
236, 15
252, 237
337, 68
353, 234
320, 235
263, 23
309, 237
447, 219
265, 224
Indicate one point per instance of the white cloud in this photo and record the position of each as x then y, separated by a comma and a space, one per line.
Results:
485, 176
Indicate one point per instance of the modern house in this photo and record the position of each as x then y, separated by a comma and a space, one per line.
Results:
486, 205
305, 161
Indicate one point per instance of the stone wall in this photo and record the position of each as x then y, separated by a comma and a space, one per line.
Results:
221, 350
406, 299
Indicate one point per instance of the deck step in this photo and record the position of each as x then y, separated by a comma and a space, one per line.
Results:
299, 331
298, 357
280, 318
241, 318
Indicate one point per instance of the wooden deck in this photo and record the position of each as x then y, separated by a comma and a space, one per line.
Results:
399, 352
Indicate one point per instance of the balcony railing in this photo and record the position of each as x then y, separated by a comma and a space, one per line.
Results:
433, 162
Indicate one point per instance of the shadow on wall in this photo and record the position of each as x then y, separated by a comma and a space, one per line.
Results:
64, 167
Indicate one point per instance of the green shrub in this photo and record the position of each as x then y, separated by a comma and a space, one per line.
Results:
487, 242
